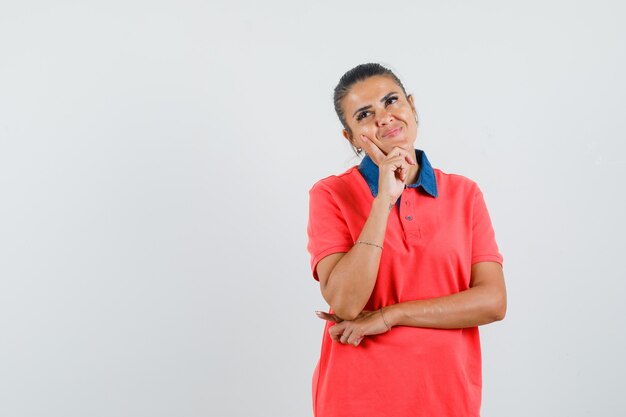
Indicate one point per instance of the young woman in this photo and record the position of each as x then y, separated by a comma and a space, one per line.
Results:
406, 258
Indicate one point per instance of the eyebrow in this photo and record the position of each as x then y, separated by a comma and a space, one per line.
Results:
382, 100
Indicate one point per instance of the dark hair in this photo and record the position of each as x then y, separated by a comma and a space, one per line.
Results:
356, 74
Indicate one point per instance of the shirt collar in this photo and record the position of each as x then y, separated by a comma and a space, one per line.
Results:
425, 176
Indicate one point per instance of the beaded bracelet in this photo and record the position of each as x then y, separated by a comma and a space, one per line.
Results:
367, 243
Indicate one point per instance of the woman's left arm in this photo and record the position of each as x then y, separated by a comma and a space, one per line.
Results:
484, 302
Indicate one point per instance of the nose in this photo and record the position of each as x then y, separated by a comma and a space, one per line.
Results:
383, 118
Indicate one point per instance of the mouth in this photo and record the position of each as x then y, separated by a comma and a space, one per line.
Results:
392, 133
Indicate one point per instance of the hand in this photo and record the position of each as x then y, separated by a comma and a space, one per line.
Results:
352, 332
333, 317
393, 168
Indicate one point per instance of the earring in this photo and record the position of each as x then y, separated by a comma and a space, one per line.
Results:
359, 150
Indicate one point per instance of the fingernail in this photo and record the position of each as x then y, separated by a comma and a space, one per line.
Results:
319, 313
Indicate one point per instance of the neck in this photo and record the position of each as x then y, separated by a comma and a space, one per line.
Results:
412, 177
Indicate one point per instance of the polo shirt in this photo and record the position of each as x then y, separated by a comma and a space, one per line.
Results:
437, 230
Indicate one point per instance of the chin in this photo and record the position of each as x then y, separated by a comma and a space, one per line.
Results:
403, 143
407, 146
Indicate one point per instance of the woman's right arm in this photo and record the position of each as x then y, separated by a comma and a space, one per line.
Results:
347, 279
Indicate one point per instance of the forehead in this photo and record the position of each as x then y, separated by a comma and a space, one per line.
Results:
369, 91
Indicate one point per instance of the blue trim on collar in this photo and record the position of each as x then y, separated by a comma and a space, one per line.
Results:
425, 177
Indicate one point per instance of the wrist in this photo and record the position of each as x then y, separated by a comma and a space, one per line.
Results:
393, 314
383, 203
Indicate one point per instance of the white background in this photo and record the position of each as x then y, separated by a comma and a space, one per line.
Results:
155, 162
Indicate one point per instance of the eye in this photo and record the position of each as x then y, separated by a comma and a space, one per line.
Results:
391, 100
362, 115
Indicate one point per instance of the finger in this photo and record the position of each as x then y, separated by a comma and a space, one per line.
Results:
334, 334
328, 317
354, 337
345, 336
396, 151
372, 149
401, 173
397, 161
400, 167
401, 152
336, 330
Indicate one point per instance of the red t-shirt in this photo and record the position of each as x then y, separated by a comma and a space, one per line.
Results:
430, 245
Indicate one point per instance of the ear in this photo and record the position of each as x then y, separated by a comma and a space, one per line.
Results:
347, 136
411, 102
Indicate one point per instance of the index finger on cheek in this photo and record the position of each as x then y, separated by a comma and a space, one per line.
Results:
372, 148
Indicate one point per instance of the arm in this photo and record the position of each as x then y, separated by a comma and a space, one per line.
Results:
347, 279
484, 302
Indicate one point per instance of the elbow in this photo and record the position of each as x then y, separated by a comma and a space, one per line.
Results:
499, 314
346, 312
346, 309
343, 306
493, 308
498, 309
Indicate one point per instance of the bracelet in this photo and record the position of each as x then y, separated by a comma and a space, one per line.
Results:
385, 321
367, 243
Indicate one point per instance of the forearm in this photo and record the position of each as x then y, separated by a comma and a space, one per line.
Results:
352, 280
473, 307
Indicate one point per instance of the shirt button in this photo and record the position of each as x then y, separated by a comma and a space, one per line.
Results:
409, 218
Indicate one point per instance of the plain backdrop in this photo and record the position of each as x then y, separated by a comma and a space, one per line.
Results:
155, 162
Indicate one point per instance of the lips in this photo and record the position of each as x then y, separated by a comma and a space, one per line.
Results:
392, 132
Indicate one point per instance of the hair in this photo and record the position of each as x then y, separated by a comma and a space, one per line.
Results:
356, 74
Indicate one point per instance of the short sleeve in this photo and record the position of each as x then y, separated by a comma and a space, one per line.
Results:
327, 229
484, 246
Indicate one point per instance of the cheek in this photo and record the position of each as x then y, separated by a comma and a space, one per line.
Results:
363, 129
367, 128
412, 124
